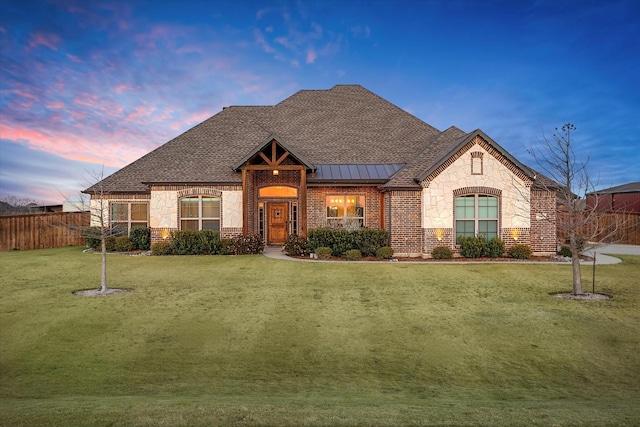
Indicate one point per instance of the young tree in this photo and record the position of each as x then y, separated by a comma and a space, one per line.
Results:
557, 159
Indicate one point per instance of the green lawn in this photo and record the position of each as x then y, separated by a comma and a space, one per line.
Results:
255, 341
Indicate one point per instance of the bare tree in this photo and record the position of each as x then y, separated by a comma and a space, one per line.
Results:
557, 160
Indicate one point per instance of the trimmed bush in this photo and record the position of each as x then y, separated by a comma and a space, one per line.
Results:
161, 248
520, 252
92, 237
323, 252
473, 247
366, 240
565, 251
124, 244
441, 252
208, 242
185, 242
353, 255
141, 237
385, 252
226, 247
110, 243
495, 248
296, 245
247, 245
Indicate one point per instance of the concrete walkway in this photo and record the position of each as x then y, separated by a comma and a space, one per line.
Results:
603, 254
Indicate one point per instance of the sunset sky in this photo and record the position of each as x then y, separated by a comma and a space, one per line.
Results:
90, 83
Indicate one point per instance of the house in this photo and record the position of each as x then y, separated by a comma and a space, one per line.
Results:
327, 158
622, 198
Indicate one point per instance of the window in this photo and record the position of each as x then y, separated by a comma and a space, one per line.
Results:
342, 208
126, 215
200, 213
477, 214
278, 191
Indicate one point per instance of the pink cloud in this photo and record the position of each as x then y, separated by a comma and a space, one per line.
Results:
49, 40
262, 42
56, 105
121, 88
311, 55
73, 58
73, 147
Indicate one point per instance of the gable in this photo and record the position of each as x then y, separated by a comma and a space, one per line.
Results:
272, 153
486, 145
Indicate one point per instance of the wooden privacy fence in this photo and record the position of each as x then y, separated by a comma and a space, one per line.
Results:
610, 227
42, 231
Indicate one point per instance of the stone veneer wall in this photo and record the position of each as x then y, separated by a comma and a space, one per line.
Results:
478, 168
405, 222
164, 208
317, 204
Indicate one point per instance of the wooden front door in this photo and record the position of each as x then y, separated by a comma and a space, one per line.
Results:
278, 217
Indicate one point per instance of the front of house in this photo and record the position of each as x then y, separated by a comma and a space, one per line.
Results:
342, 157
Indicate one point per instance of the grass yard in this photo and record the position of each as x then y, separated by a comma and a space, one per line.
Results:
251, 341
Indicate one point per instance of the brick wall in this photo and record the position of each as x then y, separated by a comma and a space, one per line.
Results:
317, 205
543, 237
405, 221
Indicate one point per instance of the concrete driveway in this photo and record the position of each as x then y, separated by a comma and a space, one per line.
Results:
604, 252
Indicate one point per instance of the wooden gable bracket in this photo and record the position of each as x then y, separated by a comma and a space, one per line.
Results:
273, 161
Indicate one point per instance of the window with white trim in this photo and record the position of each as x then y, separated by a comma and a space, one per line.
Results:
126, 215
200, 213
476, 214
342, 209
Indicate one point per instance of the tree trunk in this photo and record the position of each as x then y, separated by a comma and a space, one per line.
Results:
103, 278
577, 277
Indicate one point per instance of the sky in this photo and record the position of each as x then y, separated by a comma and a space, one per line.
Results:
87, 87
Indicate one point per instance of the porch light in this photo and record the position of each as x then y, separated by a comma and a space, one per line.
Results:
515, 233
275, 172
439, 234
164, 234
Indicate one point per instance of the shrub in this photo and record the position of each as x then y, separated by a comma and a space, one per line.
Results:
441, 252
385, 252
353, 255
495, 248
161, 248
473, 247
296, 245
141, 237
246, 245
184, 242
226, 247
124, 244
92, 236
565, 251
520, 252
207, 243
110, 243
367, 240
323, 252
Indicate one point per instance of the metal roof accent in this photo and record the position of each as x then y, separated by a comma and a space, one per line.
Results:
355, 172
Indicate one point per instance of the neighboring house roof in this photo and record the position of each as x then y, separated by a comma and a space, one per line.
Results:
343, 131
631, 187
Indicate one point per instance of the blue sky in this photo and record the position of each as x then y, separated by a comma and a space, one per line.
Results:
87, 84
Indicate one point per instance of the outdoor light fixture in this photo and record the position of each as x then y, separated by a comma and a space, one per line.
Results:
439, 234
164, 234
275, 172
515, 233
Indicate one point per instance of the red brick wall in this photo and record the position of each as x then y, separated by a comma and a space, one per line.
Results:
405, 221
543, 222
317, 209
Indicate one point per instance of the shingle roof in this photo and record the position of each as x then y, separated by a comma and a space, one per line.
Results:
344, 125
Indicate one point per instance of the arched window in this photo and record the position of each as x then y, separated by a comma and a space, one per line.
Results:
200, 213
476, 214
